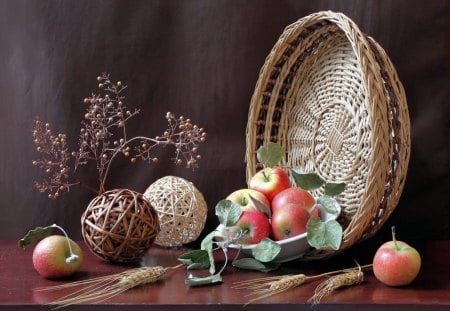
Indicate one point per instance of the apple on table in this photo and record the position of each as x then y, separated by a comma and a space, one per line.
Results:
50, 257
396, 263
54, 256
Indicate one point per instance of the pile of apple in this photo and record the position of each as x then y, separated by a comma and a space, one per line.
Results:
395, 262
272, 207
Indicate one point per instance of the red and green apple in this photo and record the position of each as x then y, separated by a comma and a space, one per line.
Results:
242, 198
396, 263
296, 196
254, 226
270, 181
289, 221
52, 257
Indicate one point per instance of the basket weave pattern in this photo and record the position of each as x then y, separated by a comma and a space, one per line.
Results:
119, 225
330, 95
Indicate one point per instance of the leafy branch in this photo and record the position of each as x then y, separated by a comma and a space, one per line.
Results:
220, 240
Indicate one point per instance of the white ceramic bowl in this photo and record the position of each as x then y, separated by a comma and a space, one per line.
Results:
291, 248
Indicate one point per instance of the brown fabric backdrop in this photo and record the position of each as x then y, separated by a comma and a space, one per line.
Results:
200, 59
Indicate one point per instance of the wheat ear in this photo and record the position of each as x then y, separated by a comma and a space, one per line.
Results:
276, 286
102, 288
328, 286
269, 286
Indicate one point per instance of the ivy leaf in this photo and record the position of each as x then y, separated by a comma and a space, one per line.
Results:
266, 250
308, 181
329, 204
199, 281
197, 259
261, 206
333, 189
270, 154
228, 212
34, 235
253, 264
207, 245
324, 235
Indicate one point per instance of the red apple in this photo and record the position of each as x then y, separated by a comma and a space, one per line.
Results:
255, 226
270, 181
396, 263
297, 196
52, 257
289, 221
241, 197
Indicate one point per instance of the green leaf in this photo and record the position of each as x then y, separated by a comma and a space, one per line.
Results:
261, 206
199, 281
270, 154
308, 181
266, 250
324, 235
207, 245
253, 264
329, 204
35, 235
333, 189
197, 259
228, 212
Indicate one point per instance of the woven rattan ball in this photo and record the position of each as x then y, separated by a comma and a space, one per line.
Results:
119, 225
181, 208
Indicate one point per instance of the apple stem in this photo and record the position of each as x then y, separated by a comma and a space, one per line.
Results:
393, 238
266, 178
73, 257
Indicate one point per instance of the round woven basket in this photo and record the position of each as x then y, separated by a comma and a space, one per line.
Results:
331, 97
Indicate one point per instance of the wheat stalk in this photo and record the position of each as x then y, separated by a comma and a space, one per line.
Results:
335, 282
102, 288
269, 286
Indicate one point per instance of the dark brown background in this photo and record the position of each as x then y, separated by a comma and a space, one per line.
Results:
200, 59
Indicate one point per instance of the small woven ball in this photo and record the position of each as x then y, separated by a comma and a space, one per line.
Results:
181, 209
119, 225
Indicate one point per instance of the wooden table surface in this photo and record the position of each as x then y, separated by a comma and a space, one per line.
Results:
430, 291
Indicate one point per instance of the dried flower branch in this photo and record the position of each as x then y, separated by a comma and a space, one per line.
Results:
103, 136
55, 160
106, 117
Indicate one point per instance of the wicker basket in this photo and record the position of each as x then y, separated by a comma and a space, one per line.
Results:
330, 95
